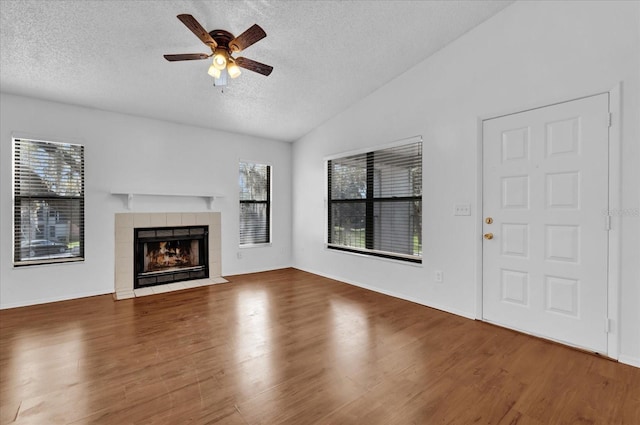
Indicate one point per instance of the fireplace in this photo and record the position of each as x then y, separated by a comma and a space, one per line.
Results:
165, 255
125, 228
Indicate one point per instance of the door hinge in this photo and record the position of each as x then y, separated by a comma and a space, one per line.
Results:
610, 120
607, 222
607, 325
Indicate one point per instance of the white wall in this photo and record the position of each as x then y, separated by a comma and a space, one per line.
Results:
531, 54
127, 152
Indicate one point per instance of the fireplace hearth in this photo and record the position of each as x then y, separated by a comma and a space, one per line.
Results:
166, 255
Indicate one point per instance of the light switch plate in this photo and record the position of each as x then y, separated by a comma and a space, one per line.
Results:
462, 209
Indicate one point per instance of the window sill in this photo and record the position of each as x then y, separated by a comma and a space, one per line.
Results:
372, 256
256, 245
40, 263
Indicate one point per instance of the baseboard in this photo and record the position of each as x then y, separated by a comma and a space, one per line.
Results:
249, 271
53, 299
93, 294
446, 309
629, 360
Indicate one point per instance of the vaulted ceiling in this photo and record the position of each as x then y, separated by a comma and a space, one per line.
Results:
326, 56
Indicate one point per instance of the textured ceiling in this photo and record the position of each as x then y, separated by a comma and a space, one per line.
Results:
326, 56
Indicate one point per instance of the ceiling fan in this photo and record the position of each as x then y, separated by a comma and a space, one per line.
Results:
223, 44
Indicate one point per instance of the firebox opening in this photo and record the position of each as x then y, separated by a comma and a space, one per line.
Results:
167, 255
170, 255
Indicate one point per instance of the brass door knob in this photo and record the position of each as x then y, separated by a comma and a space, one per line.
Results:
488, 236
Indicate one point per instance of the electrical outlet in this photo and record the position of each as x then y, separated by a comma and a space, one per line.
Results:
462, 209
239, 255
438, 276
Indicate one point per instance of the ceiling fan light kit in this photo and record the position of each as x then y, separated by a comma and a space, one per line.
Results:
220, 59
233, 69
222, 44
213, 71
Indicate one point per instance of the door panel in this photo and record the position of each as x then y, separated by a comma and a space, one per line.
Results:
545, 186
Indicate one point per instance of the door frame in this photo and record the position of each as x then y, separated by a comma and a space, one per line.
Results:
613, 258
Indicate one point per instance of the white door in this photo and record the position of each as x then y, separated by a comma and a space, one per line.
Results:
545, 197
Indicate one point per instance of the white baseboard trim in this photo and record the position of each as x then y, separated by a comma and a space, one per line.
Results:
26, 303
259, 270
53, 299
629, 360
392, 294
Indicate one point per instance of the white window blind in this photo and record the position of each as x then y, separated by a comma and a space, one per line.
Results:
255, 203
48, 191
375, 202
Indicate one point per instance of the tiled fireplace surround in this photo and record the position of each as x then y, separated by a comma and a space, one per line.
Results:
124, 225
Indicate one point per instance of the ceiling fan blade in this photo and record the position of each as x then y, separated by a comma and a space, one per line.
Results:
254, 66
247, 38
186, 57
197, 29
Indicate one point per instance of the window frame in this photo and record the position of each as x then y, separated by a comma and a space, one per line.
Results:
268, 202
370, 201
18, 197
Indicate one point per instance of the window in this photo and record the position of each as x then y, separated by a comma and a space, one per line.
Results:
375, 202
255, 203
48, 194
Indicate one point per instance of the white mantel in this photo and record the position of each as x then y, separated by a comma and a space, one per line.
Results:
130, 194
125, 223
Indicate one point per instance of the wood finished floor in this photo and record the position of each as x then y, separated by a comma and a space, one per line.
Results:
289, 347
